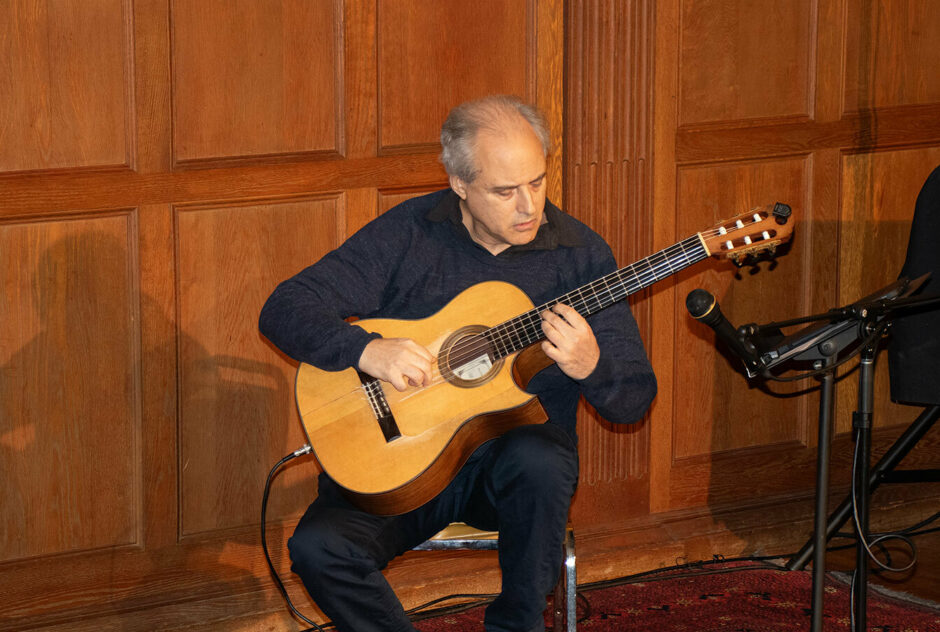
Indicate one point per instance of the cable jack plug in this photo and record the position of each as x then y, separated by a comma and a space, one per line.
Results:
307, 449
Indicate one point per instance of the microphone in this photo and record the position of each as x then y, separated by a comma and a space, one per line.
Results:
704, 307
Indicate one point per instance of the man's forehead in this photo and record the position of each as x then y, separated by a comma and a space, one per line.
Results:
516, 156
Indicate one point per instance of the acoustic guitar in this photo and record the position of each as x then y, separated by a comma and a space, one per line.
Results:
393, 451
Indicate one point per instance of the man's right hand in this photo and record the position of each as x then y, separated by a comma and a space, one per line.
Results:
400, 361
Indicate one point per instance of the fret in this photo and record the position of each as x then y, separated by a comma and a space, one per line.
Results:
501, 351
526, 329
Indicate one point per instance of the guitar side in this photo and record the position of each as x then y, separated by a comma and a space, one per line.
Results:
440, 425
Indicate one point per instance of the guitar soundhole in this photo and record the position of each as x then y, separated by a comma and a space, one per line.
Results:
467, 359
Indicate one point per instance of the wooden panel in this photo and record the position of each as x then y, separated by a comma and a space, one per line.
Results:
839, 79
434, 55
253, 79
890, 128
64, 87
606, 185
233, 106
68, 389
662, 221
63, 191
891, 53
388, 199
727, 415
237, 414
745, 60
878, 195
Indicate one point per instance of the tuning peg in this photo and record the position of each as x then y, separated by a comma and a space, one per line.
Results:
782, 213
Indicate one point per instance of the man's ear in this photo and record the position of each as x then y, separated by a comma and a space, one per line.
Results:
459, 187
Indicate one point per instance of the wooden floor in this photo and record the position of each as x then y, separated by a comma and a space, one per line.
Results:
923, 580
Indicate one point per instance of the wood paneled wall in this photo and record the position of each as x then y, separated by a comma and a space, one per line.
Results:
819, 104
164, 163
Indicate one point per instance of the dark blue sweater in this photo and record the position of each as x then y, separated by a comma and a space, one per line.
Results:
415, 258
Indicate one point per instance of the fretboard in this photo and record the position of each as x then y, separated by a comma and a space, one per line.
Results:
526, 329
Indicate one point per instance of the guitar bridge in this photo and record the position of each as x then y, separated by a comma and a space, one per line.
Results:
380, 408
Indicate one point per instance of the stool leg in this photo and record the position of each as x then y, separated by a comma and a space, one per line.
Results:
571, 583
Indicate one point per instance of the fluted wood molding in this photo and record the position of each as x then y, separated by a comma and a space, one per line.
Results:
607, 176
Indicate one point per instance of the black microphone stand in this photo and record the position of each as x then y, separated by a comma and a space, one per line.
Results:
855, 327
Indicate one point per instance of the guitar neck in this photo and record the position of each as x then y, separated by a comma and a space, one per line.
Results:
526, 329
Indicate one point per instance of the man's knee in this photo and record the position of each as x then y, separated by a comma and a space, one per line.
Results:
542, 455
321, 555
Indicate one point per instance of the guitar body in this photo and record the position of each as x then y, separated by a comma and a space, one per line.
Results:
439, 426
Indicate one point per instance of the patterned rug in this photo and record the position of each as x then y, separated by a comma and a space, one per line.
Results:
732, 597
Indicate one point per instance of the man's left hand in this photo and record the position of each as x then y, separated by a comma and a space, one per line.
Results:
571, 342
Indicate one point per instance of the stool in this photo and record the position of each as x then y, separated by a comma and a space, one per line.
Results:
458, 536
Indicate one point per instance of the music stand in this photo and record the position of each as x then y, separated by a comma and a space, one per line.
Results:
834, 338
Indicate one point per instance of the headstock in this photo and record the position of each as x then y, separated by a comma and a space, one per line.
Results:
761, 229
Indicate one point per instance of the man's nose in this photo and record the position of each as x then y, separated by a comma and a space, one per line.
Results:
525, 201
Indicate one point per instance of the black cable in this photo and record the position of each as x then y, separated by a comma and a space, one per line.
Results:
879, 538
474, 600
264, 543
477, 599
913, 529
694, 569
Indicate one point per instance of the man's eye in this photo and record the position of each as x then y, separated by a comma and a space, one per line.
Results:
506, 193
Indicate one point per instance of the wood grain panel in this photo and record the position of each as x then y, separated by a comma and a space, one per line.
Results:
388, 199
877, 208
65, 84
60, 192
237, 414
745, 60
607, 180
434, 55
69, 419
727, 415
662, 303
891, 54
889, 128
255, 79
232, 106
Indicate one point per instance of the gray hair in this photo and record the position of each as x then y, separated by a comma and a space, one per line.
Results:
459, 131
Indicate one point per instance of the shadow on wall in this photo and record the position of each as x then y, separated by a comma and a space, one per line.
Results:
71, 442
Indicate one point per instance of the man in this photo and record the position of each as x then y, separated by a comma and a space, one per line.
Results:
492, 224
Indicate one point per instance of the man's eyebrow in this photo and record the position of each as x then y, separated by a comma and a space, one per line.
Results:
510, 187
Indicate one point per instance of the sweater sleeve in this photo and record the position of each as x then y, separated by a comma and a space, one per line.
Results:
622, 385
306, 315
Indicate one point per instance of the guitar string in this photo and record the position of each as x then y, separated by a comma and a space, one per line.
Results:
622, 287
532, 318
616, 285
521, 331
525, 329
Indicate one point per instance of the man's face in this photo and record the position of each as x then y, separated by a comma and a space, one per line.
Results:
504, 205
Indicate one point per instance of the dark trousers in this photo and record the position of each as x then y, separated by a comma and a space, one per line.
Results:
520, 483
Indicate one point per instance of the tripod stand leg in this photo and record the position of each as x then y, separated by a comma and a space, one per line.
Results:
862, 425
822, 497
898, 450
